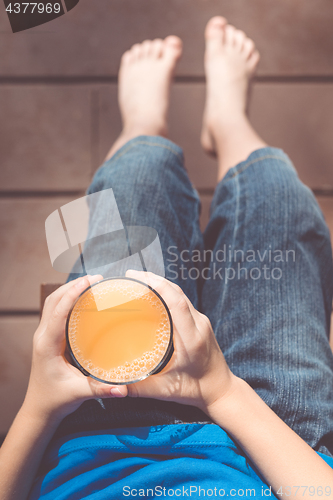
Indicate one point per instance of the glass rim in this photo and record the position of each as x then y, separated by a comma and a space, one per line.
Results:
163, 362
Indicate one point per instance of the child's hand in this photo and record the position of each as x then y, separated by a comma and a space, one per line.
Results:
56, 388
197, 373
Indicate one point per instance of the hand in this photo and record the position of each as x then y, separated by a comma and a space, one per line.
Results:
197, 373
56, 388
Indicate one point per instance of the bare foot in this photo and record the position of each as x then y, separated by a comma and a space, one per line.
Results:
145, 76
230, 60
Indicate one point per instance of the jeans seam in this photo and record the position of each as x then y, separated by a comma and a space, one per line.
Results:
146, 143
236, 219
255, 160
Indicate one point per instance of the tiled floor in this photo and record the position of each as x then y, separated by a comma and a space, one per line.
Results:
59, 115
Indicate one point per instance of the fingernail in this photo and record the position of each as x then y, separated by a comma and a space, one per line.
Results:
116, 393
82, 283
131, 271
154, 281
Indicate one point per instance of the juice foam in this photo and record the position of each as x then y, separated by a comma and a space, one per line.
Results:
123, 343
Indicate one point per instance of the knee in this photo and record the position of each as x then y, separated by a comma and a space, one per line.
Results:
279, 182
284, 201
144, 165
157, 165
283, 194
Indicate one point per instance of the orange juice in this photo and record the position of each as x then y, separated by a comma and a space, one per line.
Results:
119, 331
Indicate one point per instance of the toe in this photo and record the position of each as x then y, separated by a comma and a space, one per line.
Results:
172, 47
174, 41
215, 26
254, 60
239, 39
136, 51
126, 57
249, 47
146, 48
214, 33
157, 47
230, 34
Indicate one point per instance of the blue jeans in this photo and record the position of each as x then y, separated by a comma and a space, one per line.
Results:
262, 272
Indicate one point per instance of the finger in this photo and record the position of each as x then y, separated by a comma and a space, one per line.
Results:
91, 388
193, 310
88, 387
152, 387
56, 326
53, 299
151, 276
174, 298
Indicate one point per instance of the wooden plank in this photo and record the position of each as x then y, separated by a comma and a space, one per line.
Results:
326, 205
25, 262
294, 38
45, 290
205, 208
55, 153
46, 140
299, 119
15, 359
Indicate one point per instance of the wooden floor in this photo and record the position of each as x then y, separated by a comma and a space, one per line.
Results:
59, 116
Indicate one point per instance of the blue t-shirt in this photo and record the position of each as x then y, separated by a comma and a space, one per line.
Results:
180, 461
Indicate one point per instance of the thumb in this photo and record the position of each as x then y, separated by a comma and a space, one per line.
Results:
97, 389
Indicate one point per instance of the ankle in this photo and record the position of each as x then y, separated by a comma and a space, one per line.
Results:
223, 124
131, 132
237, 148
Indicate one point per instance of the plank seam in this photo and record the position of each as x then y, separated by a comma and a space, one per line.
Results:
112, 79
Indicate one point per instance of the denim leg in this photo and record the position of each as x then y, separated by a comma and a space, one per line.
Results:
151, 188
269, 291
